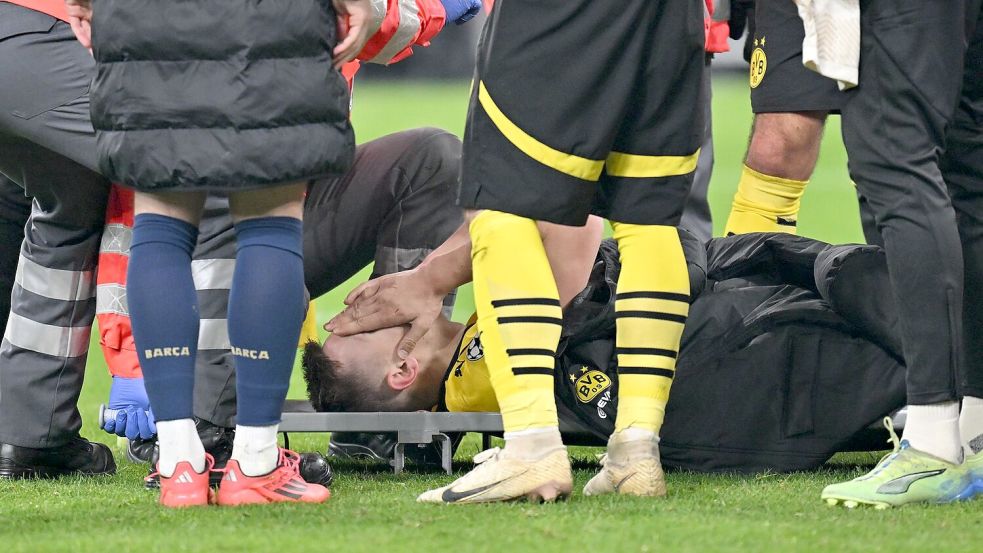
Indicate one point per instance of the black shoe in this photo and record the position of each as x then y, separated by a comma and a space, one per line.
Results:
381, 448
77, 457
314, 469
362, 445
139, 450
217, 441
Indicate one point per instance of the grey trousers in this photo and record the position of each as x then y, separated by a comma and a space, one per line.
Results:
395, 206
894, 129
15, 208
696, 213
47, 147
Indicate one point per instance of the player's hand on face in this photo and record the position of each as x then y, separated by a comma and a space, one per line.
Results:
80, 18
405, 298
128, 398
354, 18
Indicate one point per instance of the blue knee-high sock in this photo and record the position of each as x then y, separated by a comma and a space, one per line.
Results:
266, 309
163, 307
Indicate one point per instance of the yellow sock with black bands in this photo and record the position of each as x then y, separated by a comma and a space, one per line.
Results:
764, 203
651, 308
519, 317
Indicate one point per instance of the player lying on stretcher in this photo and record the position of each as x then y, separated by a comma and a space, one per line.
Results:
788, 354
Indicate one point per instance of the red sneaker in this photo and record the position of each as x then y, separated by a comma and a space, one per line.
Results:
283, 483
186, 488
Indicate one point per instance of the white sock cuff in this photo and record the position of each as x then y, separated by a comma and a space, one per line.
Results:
255, 449
948, 410
531, 432
973, 402
178, 441
633, 434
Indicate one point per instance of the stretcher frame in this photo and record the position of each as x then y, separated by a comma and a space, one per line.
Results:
412, 428
422, 428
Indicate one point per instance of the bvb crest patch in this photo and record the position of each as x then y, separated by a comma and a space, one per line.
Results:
759, 63
474, 351
590, 383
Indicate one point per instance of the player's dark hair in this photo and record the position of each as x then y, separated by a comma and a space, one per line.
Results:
330, 392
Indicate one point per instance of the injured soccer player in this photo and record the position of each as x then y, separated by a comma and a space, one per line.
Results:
790, 352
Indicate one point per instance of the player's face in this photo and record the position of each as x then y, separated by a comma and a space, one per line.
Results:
370, 353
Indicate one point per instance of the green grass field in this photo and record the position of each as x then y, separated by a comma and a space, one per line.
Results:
372, 510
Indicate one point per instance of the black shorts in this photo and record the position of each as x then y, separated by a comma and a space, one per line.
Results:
779, 81
586, 105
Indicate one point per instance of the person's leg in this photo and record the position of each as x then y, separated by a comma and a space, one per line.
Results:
42, 359
15, 208
913, 54
643, 193
697, 218
534, 147
424, 212
212, 267
267, 305
782, 153
394, 206
790, 103
47, 147
962, 167
165, 326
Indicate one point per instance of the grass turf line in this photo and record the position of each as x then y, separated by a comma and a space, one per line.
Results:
372, 510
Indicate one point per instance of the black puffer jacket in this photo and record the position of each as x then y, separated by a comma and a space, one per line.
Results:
218, 94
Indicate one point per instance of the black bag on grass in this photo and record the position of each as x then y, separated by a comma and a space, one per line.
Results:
769, 376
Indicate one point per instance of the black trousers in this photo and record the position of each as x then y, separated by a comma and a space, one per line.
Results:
962, 168
895, 129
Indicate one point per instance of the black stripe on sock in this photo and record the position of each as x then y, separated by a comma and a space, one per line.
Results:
526, 301
650, 315
530, 351
785, 222
647, 351
651, 371
519, 371
544, 320
653, 296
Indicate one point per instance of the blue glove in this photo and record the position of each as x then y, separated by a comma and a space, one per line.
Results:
461, 11
133, 416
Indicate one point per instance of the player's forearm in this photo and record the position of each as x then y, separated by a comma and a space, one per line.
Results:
449, 266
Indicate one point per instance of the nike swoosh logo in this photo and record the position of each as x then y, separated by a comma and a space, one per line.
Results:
901, 484
617, 487
451, 496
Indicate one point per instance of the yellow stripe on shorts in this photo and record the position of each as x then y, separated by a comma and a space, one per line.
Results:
575, 166
636, 166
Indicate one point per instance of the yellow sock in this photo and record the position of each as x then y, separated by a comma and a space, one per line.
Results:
519, 317
651, 309
764, 203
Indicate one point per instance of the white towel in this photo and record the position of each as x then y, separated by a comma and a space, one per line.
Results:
832, 43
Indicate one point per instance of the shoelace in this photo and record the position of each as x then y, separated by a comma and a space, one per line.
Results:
894, 441
487, 455
290, 460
